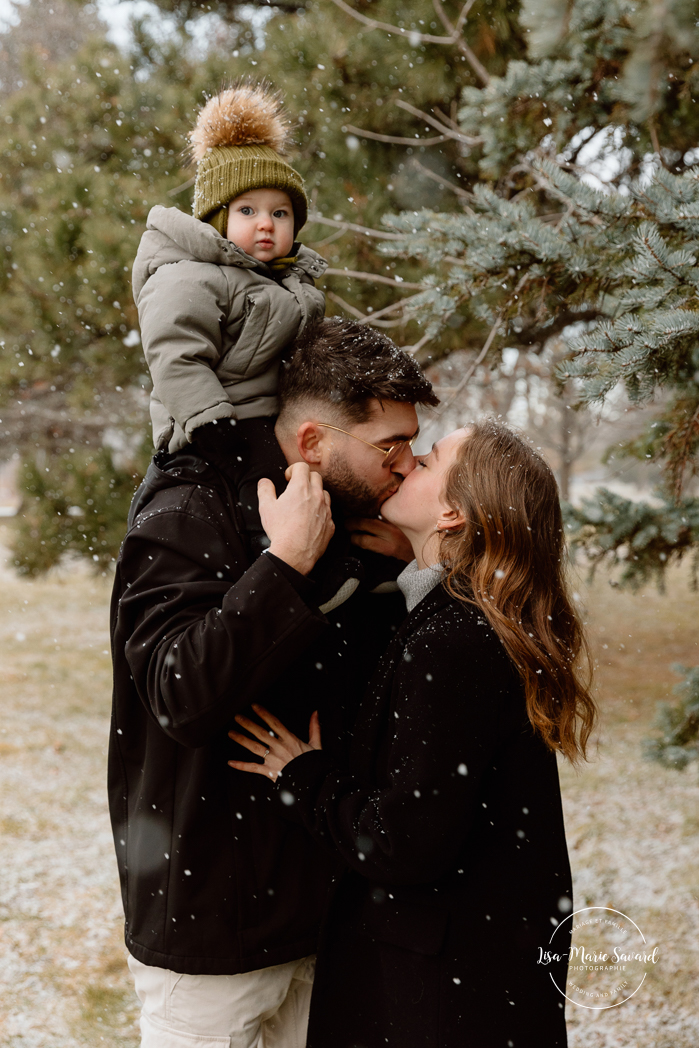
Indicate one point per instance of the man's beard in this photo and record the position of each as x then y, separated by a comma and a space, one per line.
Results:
350, 493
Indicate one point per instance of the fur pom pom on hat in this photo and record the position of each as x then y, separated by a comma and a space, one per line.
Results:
246, 114
236, 142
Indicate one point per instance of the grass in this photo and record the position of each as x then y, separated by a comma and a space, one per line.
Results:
63, 976
632, 826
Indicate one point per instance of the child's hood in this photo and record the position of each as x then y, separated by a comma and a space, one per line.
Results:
173, 236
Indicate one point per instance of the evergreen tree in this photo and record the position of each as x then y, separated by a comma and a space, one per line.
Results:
536, 165
354, 90
677, 740
91, 143
584, 221
69, 25
87, 147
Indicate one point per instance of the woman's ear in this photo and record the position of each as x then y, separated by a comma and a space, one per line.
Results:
308, 441
450, 519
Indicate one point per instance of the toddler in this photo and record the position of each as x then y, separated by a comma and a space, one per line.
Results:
221, 293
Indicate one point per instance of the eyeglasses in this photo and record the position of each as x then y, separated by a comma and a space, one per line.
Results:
390, 455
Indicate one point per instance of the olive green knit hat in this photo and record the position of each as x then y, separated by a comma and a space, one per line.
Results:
236, 142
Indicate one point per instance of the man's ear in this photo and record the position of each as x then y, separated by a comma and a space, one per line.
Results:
450, 519
308, 441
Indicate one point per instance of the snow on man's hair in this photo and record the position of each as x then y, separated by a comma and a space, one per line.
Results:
347, 364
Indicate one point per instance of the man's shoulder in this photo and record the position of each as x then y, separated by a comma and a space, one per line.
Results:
183, 532
183, 485
186, 497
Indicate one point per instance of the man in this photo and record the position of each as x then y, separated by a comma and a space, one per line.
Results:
223, 898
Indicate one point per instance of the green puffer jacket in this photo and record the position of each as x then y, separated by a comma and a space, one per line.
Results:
214, 322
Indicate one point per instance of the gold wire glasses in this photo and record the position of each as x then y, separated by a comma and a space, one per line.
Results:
390, 455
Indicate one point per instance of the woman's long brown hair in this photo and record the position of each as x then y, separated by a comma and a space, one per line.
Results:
509, 559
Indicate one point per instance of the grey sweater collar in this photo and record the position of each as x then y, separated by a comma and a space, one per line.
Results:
416, 583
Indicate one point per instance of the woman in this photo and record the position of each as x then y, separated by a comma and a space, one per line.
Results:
449, 817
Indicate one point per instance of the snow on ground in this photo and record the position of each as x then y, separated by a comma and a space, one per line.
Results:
633, 827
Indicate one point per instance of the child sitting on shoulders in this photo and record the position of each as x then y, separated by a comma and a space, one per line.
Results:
222, 293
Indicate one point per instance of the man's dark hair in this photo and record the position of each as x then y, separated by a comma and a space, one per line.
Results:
347, 364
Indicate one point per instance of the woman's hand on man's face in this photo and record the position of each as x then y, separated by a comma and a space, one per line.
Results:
380, 537
276, 745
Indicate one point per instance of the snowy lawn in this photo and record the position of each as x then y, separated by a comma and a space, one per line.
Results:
63, 976
632, 826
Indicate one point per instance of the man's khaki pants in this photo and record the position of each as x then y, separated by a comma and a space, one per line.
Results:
262, 1009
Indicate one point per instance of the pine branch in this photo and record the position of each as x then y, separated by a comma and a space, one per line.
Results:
641, 539
329, 239
375, 317
677, 741
347, 306
419, 38
427, 38
448, 401
351, 226
374, 278
400, 304
396, 139
479, 69
180, 189
363, 318
554, 191
681, 447
418, 345
463, 194
447, 119
458, 136
529, 335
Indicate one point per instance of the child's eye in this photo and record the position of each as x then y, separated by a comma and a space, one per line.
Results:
281, 213
420, 462
245, 209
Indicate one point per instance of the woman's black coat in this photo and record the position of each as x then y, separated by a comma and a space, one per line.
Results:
452, 829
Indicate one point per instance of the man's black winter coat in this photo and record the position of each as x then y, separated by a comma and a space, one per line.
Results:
213, 880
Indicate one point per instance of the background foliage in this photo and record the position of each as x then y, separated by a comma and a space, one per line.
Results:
487, 178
